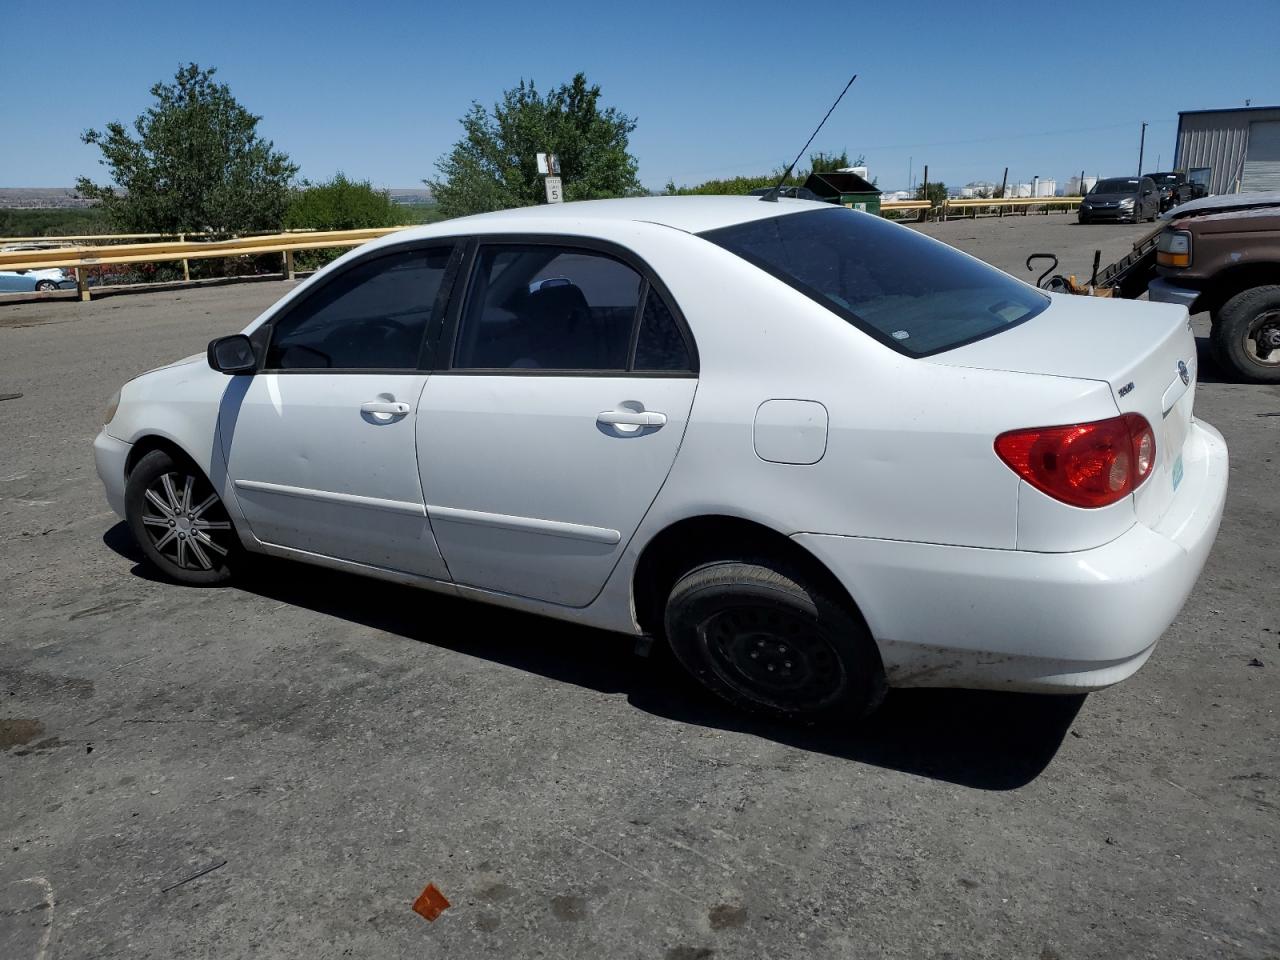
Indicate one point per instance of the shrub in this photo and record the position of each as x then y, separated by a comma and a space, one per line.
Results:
337, 204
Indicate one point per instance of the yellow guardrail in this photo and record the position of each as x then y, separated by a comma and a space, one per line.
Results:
1000, 203
891, 205
80, 257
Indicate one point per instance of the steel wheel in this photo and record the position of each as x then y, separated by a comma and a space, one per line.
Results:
187, 526
763, 637
1262, 339
773, 656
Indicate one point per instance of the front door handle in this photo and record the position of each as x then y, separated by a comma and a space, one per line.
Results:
389, 408
632, 418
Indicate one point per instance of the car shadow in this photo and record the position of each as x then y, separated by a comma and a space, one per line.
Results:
981, 739
1208, 369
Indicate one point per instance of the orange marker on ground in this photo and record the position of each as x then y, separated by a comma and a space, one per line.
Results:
430, 903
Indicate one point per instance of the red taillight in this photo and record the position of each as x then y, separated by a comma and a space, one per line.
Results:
1083, 464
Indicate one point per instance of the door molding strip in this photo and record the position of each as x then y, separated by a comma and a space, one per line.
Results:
327, 496
551, 528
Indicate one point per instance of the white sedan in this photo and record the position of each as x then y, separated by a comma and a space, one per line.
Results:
814, 451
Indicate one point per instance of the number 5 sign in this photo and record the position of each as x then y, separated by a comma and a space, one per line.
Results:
554, 194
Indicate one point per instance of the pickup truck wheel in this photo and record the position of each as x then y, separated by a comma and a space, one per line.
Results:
1246, 333
768, 642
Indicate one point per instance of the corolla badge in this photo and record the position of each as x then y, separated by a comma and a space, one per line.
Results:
1184, 373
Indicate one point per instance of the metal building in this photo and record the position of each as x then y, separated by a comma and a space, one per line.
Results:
1230, 151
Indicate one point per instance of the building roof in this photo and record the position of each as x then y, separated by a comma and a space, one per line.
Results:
1188, 113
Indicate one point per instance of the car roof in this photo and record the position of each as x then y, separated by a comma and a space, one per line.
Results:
690, 214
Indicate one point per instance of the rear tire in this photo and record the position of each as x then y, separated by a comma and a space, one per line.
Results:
769, 642
179, 521
1246, 334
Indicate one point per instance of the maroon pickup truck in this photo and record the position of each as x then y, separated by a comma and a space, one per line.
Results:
1222, 254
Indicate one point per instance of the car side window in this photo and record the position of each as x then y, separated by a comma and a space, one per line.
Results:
660, 345
548, 307
373, 316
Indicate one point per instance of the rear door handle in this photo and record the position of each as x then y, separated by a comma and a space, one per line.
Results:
632, 418
390, 408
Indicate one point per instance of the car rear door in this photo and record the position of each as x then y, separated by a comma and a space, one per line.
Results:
320, 444
553, 420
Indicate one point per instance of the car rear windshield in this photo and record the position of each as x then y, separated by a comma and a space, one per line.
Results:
914, 294
1116, 186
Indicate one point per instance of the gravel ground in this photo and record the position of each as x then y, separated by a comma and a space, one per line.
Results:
332, 745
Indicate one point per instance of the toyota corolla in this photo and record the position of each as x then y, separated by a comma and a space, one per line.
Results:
815, 452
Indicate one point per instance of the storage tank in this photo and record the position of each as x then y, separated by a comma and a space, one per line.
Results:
1020, 190
1089, 184
1046, 188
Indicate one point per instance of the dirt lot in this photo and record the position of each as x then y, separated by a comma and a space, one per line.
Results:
331, 745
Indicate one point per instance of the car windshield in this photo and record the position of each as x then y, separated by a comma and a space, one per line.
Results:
1116, 186
1164, 177
911, 293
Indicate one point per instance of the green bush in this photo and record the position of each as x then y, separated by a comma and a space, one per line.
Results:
337, 204
53, 222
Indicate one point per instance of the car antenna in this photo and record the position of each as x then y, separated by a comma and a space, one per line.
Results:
772, 195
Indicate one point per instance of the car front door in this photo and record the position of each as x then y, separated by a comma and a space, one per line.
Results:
551, 426
319, 444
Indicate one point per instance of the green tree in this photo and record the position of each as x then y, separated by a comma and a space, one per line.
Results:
340, 204
936, 194
494, 165
819, 162
194, 162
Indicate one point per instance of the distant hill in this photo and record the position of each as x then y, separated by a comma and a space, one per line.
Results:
40, 198
409, 196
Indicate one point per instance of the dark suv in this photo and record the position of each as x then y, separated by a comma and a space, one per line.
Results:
1175, 188
1121, 198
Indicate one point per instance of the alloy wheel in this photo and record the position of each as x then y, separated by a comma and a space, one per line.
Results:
186, 521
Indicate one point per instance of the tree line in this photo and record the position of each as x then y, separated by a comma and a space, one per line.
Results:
194, 162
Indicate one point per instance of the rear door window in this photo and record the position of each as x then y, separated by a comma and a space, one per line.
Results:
546, 307
911, 293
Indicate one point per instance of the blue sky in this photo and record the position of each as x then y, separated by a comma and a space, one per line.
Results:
376, 89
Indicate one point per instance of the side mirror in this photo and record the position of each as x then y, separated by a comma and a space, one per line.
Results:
233, 354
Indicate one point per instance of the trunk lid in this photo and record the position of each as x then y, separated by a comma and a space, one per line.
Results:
1140, 350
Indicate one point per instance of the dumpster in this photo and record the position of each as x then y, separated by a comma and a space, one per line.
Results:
848, 189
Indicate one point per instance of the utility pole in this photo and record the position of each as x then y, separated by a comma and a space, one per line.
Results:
1141, 146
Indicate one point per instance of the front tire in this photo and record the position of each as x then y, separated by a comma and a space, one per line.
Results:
46, 286
179, 521
1246, 334
769, 642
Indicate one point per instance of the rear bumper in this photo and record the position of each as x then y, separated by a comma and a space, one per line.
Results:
110, 456
1044, 622
1166, 291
